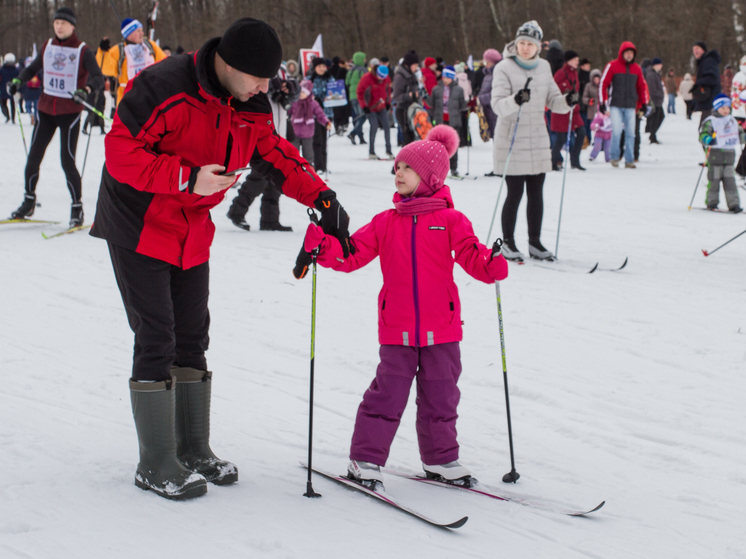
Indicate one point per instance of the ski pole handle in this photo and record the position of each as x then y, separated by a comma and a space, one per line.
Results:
305, 259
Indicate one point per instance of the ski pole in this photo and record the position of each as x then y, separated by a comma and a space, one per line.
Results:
85, 157
468, 142
512, 476
326, 157
507, 162
707, 158
20, 123
314, 255
721, 246
564, 177
90, 107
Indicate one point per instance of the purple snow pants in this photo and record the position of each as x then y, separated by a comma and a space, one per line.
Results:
437, 369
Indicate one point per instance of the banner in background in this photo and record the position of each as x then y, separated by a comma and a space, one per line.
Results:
306, 57
335, 94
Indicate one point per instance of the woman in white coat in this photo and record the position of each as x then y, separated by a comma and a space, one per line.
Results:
531, 156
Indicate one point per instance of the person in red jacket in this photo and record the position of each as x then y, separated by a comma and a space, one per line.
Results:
70, 74
429, 78
181, 124
623, 92
419, 313
569, 84
374, 96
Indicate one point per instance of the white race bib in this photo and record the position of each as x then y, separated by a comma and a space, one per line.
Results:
138, 58
726, 132
61, 65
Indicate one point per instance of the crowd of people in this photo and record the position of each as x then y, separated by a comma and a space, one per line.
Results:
186, 126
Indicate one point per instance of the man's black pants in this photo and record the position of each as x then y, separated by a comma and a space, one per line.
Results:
167, 310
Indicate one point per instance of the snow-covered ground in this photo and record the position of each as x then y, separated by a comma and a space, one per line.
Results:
626, 386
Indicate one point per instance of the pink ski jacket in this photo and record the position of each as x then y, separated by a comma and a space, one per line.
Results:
418, 304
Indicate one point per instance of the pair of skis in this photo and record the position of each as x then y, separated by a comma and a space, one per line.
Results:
41, 221
560, 266
475, 488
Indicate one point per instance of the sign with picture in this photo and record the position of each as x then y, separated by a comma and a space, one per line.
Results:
336, 96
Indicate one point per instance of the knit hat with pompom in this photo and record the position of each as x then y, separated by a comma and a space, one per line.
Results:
430, 158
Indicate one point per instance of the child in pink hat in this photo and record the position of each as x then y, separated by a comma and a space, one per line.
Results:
419, 314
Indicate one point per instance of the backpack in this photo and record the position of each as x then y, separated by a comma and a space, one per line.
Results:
419, 120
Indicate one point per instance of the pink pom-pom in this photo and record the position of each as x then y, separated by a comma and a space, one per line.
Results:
445, 136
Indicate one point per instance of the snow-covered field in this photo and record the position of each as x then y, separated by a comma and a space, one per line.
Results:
626, 386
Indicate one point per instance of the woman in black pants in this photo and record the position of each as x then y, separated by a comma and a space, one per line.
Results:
530, 158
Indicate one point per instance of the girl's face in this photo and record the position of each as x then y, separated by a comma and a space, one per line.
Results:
303, 94
526, 49
596, 80
407, 180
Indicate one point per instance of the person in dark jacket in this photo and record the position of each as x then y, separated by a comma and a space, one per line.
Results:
657, 96
8, 72
555, 56
449, 104
584, 77
405, 92
341, 114
490, 58
707, 82
64, 85
181, 124
624, 93
320, 77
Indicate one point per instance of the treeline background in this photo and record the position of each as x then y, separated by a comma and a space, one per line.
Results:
452, 29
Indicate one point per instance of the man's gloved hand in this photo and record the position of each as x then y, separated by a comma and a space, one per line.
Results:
497, 248
105, 44
334, 220
602, 108
14, 85
572, 98
80, 95
523, 96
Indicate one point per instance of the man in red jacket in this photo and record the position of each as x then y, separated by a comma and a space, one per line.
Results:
181, 124
624, 93
568, 81
374, 96
70, 69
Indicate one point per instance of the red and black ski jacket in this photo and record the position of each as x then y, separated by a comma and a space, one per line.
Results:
174, 118
623, 82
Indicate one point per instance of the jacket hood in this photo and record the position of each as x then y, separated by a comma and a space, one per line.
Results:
358, 58
595, 72
687, 77
625, 46
713, 54
554, 44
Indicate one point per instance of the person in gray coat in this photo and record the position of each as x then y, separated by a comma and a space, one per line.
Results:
531, 157
448, 106
657, 95
405, 91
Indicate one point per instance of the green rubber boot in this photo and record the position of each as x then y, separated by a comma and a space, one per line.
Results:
193, 389
160, 470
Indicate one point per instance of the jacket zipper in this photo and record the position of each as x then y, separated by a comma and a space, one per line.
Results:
414, 283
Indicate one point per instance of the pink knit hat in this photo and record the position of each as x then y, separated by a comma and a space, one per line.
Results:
429, 158
492, 55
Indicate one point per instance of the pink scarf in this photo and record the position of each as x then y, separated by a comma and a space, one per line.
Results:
420, 206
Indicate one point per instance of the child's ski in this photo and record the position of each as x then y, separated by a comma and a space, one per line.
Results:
65, 232
388, 499
479, 489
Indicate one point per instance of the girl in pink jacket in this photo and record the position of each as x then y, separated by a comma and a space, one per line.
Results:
419, 314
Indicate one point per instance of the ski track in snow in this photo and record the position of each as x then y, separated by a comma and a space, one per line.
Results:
625, 386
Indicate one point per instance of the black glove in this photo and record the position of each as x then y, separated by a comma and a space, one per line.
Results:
497, 248
523, 96
366, 110
14, 86
105, 44
602, 108
334, 220
302, 263
572, 98
80, 95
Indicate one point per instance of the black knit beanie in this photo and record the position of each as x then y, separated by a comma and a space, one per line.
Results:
67, 14
701, 44
570, 54
410, 58
252, 47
